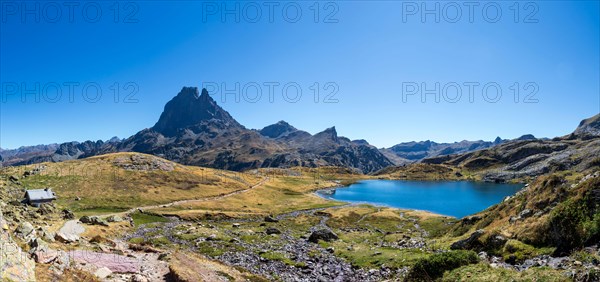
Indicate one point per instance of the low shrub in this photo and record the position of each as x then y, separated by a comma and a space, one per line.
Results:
434, 266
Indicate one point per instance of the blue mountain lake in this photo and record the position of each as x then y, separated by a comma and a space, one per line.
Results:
452, 198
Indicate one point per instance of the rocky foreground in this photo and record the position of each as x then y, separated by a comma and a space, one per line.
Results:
260, 231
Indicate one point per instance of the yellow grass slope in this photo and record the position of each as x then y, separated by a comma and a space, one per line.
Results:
121, 181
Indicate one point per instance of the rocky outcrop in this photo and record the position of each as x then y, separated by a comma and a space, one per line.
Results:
15, 264
529, 157
114, 262
588, 127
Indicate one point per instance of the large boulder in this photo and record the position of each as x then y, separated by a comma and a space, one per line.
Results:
103, 272
66, 237
322, 234
69, 232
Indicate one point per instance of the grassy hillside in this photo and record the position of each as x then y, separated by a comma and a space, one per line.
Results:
121, 181
285, 190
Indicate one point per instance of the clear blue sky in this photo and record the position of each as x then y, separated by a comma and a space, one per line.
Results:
368, 54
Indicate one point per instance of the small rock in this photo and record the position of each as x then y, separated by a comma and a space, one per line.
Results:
38, 245
114, 218
212, 237
138, 278
93, 220
46, 256
46, 209
330, 250
483, 256
67, 214
24, 229
163, 256
103, 272
270, 219
236, 225
272, 230
525, 213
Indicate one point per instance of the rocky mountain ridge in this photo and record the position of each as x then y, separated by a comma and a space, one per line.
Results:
526, 157
194, 130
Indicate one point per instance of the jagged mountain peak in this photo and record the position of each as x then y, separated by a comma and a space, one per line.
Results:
190, 108
329, 133
281, 128
330, 130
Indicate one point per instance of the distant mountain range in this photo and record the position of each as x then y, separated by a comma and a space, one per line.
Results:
577, 151
410, 152
194, 130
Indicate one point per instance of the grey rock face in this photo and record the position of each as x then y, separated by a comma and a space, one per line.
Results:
589, 127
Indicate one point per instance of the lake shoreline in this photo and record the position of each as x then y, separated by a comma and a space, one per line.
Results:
481, 195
